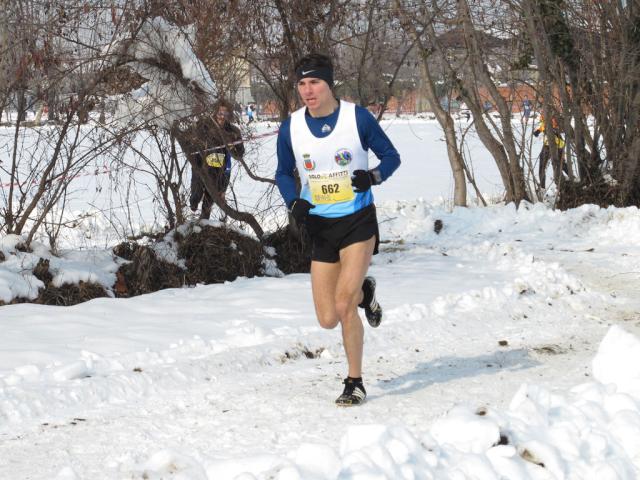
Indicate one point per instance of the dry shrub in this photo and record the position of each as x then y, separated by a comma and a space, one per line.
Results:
125, 250
23, 247
218, 254
573, 195
293, 249
145, 273
16, 301
70, 294
211, 254
41, 271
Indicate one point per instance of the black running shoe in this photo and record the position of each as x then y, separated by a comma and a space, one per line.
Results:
372, 308
353, 394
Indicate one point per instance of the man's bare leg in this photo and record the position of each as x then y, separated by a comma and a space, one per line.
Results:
324, 280
354, 261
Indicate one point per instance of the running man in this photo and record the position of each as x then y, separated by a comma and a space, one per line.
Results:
327, 142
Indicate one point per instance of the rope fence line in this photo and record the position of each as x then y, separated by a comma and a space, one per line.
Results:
105, 170
237, 142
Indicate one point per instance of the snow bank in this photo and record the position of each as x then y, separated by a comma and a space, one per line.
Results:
490, 274
589, 432
618, 362
73, 266
588, 225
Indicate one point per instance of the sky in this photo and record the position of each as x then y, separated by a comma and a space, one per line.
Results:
509, 349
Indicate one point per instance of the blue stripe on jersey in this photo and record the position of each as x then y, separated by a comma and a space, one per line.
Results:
341, 209
371, 137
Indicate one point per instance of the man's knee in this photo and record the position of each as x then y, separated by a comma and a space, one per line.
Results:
345, 305
328, 321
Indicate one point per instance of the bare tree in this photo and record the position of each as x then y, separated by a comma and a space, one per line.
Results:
280, 33
460, 48
5, 57
113, 73
588, 55
167, 56
419, 23
42, 163
376, 56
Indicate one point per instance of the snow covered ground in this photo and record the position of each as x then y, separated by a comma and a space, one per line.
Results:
509, 350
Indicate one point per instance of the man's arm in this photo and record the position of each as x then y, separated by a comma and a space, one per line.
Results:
373, 137
285, 178
237, 149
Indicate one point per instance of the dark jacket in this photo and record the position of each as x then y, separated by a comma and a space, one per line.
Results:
205, 141
208, 145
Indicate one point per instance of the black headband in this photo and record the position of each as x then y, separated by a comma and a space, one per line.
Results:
323, 73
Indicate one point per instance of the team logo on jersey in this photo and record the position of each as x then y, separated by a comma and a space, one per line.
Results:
326, 128
343, 157
307, 162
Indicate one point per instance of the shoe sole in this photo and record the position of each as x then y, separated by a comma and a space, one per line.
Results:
347, 405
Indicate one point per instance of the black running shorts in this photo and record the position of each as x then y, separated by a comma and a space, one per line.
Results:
330, 235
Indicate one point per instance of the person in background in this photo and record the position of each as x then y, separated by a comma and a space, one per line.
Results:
213, 141
526, 108
327, 143
464, 111
545, 154
250, 113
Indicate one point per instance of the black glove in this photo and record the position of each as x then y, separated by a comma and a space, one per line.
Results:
536, 132
362, 180
300, 210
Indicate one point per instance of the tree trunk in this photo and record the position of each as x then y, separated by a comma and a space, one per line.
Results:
39, 114
443, 117
504, 152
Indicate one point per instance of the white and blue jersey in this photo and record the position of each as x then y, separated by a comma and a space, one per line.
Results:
328, 144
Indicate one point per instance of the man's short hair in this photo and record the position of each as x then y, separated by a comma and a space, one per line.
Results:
315, 65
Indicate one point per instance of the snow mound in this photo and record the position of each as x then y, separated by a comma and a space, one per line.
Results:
591, 431
618, 361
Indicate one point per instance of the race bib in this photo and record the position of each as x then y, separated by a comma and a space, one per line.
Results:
215, 160
330, 187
